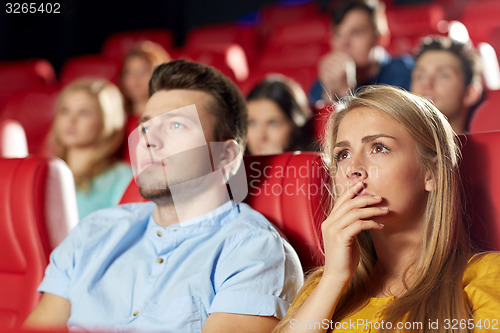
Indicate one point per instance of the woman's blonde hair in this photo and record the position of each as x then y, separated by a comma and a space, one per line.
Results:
110, 140
437, 291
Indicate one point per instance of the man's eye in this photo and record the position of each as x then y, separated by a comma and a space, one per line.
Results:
144, 129
177, 125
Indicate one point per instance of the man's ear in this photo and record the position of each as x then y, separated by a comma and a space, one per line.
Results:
473, 94
225, 154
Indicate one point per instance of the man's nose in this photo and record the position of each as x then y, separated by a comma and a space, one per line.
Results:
151, 139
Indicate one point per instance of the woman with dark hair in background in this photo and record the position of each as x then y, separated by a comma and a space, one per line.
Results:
278, 117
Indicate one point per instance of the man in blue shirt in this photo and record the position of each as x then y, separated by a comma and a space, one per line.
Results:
358, 58
192, 260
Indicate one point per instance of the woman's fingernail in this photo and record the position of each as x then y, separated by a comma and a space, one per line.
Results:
377, 197
384, 208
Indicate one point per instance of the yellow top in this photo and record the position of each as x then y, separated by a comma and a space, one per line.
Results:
481, 282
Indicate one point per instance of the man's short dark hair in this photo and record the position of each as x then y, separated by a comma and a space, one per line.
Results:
230, 107
374, 9
469, 59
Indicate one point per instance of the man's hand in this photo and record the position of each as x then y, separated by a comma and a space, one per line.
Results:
337, 73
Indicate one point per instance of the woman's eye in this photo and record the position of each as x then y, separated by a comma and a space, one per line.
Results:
379, 148
342, 155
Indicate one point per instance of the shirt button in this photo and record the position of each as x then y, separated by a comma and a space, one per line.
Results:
159, 260
135, 313
159, 233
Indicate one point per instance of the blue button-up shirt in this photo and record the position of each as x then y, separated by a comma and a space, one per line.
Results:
122, 271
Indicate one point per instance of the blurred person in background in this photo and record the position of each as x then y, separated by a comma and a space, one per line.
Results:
358, 57
87, 134
137, 69
449, 74
278, 117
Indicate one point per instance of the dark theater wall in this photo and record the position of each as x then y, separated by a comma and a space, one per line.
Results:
82, 25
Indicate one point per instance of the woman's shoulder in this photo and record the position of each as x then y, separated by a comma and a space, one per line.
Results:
480, 283
482, 267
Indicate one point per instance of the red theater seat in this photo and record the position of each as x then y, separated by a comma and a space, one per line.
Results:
480, 18
243, 35
16, 76
308, 31
119, 44
481, 181
13, 143
37, 210
229, 59
291, 190
34, 110
408, 24
487, 115
92, 65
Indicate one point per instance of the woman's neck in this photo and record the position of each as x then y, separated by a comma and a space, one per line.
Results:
396, 253
78, 158
138, 107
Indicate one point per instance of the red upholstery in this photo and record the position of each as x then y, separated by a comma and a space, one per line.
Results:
32, 193
119, 44
274, 15
320, 120
409, 23
12, 139
243, 35
293, 56
487, 115
494, 40
229, 59
34, 110
90, 66
25, 75
316, 30
481, 181
290, 190
480, 18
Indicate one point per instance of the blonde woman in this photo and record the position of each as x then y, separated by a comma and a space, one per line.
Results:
396, 253
87, 134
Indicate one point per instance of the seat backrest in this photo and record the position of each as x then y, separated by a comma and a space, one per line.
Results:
13, 141
35, 111
92, 65
24, 75
480, 173
487, 115
233, 33
480, 18
37, 210
229, 58
291, 190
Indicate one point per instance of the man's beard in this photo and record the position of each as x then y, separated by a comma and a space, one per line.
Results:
155, 194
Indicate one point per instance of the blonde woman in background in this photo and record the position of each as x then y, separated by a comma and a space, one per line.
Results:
87, 134
396, 252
